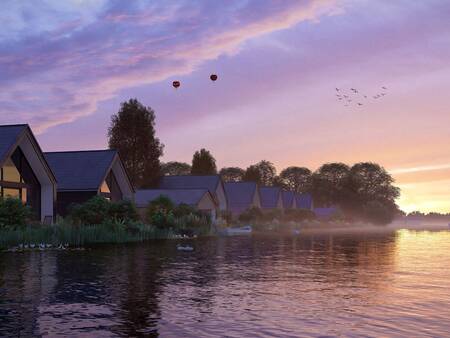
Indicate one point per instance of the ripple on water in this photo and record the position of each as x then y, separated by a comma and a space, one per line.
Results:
373, 285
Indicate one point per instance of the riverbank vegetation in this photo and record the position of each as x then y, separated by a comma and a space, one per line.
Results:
99, 221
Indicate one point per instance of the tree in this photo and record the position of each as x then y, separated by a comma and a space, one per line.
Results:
371, 187
267, 172
232, 174
297, 179
279, 182
175, 168
328, 183
132, 134
203, 163
252, 174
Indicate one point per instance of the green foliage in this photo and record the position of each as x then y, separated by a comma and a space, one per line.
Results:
160, 212
252, 174
94, 211
203, 163
74, 235
329, 184
232, 174
124, 211
298, 215
13, 213
99, 210
251, 215
175, 168
132, 133
296, 179
271, 215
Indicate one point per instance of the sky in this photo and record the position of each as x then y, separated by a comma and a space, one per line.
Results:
65, 67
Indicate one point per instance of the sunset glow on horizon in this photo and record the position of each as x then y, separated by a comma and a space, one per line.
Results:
66, 67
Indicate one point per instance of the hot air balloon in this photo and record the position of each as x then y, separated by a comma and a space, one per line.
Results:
176, 84
213, 77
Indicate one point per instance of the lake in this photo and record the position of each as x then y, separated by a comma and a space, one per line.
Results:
394, 284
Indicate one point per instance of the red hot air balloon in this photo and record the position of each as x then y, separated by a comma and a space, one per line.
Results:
213, 77
176, 84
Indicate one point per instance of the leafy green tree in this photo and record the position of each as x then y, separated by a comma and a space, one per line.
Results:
232, 174
297, 179
266, 173
132, 133
175, 168
370, 187
279, 182
203, 163
329, 184
252, 174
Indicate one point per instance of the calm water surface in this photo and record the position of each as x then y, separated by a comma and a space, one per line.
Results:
392, 284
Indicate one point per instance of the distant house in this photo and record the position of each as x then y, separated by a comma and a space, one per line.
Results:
289, 200
304, 201
271, 198
326, 213
24, 171
84, 174
200, 199
242, 196
213, 183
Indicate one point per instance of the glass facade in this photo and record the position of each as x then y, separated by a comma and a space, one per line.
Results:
17, 180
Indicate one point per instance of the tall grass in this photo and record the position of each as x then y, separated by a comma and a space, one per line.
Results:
66, 233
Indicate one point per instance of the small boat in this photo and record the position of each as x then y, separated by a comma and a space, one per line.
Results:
184, 248
245, 230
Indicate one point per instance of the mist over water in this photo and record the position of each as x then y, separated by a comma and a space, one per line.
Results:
347, 284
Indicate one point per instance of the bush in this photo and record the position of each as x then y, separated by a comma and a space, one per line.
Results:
184, 210
13, 213
298, 215
253, 214
160, 212
99, 210
271, 215
123, 211
94, 211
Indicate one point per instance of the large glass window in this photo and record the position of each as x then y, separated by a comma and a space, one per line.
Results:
12, 183
10, 172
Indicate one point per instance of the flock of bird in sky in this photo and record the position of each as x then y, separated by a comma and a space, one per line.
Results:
355, 96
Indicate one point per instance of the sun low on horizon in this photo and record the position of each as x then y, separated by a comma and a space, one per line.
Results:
298, 82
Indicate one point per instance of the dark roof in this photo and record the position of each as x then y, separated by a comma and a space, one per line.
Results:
325, 212
9, 135
288, 199
80, 170
209, 182
304, 201
178, 196
269, 197
240, 195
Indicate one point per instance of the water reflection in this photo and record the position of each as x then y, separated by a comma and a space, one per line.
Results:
342, 284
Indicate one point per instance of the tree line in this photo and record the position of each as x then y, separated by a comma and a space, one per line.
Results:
364, 190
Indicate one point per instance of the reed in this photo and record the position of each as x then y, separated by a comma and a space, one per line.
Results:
74, 235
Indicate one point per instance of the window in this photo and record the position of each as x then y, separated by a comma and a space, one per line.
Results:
12, 183
10, 172
105, 188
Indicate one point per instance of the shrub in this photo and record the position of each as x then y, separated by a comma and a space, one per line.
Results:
185, 209
271, 215
13, 213
251, 215
123, 211
298, 215
94, 211
160, 212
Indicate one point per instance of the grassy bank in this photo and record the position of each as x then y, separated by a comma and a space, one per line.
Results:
77, 236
